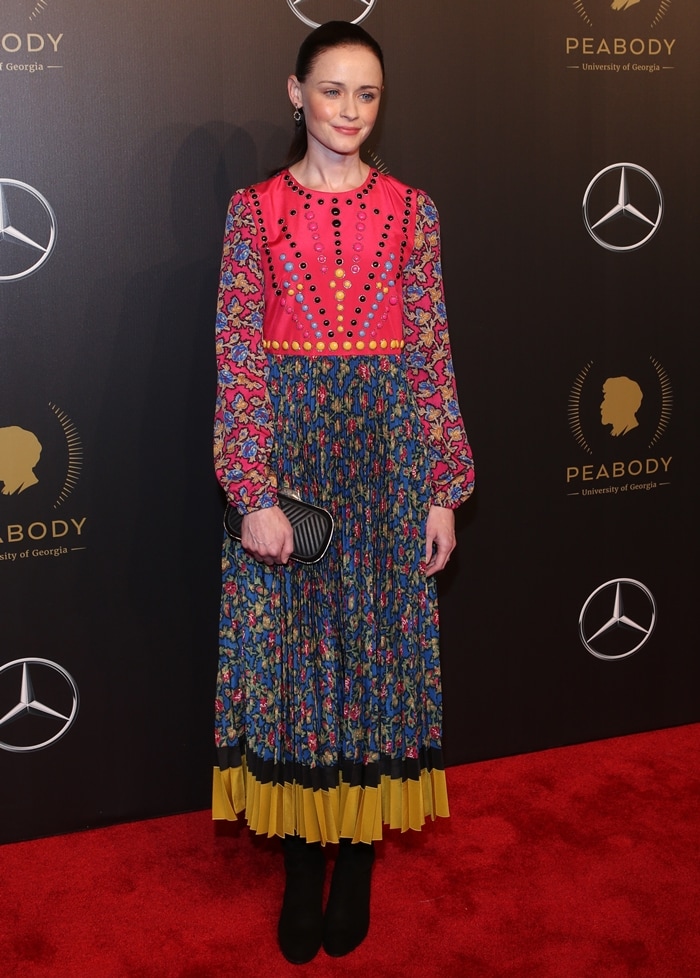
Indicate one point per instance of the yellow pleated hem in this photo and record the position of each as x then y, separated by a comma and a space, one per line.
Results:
327, 815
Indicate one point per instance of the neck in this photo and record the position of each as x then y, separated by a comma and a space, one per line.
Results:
335, 174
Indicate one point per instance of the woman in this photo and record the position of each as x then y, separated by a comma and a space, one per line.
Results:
335, 381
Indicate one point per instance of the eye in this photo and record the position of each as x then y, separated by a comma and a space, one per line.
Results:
368, 96
331, 92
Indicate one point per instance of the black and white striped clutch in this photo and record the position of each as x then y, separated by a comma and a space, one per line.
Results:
312, 526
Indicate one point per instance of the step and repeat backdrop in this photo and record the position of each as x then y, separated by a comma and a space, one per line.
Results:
560, 140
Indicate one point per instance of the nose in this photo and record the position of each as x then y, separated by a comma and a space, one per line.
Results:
348, 109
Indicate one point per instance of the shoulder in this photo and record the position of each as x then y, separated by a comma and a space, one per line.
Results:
272, 185
262, 202
414, 196
256, 191
392, 187
248, 204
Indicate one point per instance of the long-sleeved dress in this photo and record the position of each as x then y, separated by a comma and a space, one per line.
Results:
335, 381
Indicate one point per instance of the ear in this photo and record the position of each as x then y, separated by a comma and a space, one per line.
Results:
294, 91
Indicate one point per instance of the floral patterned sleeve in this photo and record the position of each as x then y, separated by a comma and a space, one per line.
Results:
429, 362
243, 420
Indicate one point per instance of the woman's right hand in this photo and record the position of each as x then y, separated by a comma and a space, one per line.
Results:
267, 535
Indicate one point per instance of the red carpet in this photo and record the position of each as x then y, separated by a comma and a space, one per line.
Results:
580, 862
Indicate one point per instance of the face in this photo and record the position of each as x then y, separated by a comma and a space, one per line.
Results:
340, 97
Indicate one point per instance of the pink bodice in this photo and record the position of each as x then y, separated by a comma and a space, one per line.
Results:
335, 262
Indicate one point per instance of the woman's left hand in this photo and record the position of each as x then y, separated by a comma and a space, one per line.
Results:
440, 531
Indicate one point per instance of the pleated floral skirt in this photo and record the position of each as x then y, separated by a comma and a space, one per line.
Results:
328, 703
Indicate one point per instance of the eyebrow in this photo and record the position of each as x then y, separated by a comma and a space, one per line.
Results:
342, 84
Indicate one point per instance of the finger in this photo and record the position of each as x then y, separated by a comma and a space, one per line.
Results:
286, 546
441, 556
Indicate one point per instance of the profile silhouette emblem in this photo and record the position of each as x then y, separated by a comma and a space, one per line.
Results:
622, 398
605, 403
623, 4
20, 451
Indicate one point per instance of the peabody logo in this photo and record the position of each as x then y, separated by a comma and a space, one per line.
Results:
39, 702
617, 619
27, 230
41, 459
618, 413
317, 12
618, 33
623, 207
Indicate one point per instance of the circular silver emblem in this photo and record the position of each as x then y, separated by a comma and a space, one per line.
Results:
623, 207
39, 702
617, 619
27, 230
339, 14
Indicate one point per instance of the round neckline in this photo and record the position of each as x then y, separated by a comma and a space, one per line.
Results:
371, 176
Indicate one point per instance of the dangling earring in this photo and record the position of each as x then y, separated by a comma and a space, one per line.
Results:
298, 114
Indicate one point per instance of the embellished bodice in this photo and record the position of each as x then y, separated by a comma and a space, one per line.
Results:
333, 265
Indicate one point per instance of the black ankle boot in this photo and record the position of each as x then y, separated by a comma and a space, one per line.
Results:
346, 921
300, 928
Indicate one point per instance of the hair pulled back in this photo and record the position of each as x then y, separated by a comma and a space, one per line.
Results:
333, 34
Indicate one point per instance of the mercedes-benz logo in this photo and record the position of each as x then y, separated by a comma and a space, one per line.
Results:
295, 5
626, 225
27, 230
617, 619
50, 721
